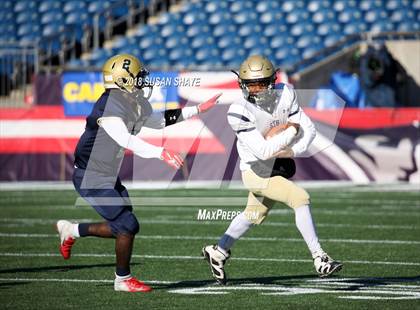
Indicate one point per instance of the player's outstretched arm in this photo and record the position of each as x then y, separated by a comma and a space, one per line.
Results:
117, 130
177, 115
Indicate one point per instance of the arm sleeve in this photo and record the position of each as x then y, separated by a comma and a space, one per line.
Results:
159, 120
307, 132
117, 130
265, 149
243, 124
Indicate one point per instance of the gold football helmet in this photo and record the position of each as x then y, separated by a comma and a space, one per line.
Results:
124, 71
256, 78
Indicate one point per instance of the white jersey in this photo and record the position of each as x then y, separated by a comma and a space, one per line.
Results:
250, 123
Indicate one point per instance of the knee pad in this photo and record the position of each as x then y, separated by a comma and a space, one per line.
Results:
126, 223
297, 197
257, 208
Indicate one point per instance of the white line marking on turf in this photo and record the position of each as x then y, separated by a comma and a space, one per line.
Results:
283, 290
278, 260
77, 280
30, 221
181, 237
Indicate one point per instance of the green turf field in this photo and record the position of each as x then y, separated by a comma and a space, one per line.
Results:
376, 235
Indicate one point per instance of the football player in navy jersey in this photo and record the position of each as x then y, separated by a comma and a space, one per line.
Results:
112, 126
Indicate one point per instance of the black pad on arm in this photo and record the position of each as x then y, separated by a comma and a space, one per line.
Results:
173, 116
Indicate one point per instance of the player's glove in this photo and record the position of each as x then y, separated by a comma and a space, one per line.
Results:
205, 106
172, 159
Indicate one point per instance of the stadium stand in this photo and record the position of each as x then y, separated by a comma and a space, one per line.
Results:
198, 34
213, 33
217, 33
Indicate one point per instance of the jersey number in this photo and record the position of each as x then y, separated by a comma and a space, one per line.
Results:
126, 63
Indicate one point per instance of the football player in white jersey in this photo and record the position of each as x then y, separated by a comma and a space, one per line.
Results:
266, 161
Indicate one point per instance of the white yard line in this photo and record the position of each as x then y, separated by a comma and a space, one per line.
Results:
77, 280
179, 257
23, 222
324, 186
182, 237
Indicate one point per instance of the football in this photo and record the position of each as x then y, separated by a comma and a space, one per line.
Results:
274, 131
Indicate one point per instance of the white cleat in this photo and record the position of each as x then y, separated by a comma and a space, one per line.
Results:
131, 285
65, 230
325, 265
216, 260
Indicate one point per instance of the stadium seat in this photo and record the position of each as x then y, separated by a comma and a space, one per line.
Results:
332, 39
317, 5
349, 15
228, 40
178, 53
74, 6
328, 29
292, 5
192, 18
170, 30
302, 28
49, 6
343, 5
77, 18
52, 29
248, 30
219, 19
261, 50
219, 30
246, 17
27, 17
216, 6
274, 30
27, 29
25, 6
297, 15
268, 6
281, 41
367, 5
173, 42
323, 16
97, 6
159, 63
144, 30
204, 54
255, 40
194, 30
202, 41
239, 6
231, 53
408, 26
270, 17
392, 5
375, 15
402, 15
51, 17
354, 28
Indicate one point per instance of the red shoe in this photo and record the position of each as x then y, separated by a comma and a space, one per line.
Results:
65, 230
131, 285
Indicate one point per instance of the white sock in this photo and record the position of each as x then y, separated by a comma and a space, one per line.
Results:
118, 278
76, 231
237, 228
307, 228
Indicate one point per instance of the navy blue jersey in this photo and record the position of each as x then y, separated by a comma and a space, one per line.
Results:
96, 151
